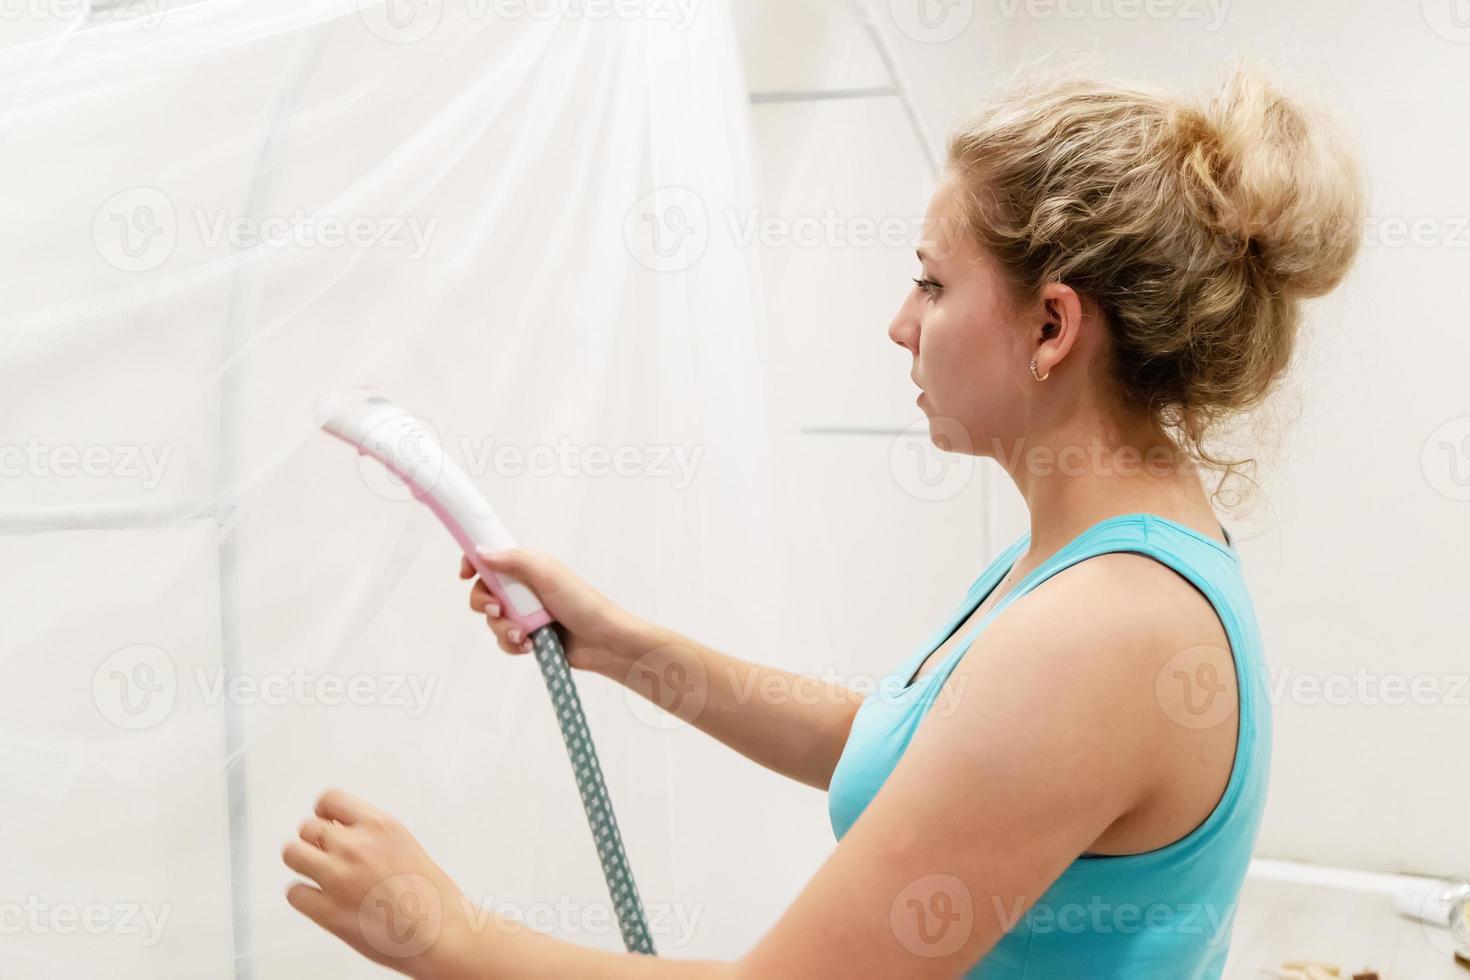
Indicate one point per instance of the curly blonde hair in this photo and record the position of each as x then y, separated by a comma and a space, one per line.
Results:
1196, 230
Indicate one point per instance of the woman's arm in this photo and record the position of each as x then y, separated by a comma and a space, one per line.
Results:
791, 724
1058, 735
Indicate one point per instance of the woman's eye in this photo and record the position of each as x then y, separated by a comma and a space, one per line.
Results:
929, 286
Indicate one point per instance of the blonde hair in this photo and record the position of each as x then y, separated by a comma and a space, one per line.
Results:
1196, 230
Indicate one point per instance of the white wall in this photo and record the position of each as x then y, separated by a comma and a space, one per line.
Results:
881, 563
1354, 546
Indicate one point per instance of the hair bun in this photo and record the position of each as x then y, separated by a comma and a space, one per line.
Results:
1289, 190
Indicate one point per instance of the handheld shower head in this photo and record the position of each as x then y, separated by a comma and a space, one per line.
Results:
409, 449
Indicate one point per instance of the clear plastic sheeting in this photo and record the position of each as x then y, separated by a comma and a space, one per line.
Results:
218, 211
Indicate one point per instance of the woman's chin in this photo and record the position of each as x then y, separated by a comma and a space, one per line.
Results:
948, 434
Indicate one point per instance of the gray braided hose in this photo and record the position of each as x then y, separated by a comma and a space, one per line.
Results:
574, 732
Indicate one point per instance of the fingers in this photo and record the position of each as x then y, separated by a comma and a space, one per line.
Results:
343, 807
311, 862
317, 832
520, 564
509, 636
516, 563
483, 601
310, 902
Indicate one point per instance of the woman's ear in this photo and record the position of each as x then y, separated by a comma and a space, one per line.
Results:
1059, 327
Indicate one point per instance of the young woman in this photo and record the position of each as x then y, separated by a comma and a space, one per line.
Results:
1065, 781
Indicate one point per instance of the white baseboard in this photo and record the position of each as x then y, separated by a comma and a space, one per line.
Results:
1326, 876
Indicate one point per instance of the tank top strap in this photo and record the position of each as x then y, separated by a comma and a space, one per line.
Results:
1209, 565
1182, 548
974, 595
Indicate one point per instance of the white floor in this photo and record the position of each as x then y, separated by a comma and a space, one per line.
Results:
1280, 920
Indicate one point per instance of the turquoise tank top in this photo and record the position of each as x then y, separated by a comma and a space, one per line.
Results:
1165, 913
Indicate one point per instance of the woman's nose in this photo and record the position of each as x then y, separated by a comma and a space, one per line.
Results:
904, 330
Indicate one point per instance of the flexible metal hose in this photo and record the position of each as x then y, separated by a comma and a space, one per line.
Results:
588, 772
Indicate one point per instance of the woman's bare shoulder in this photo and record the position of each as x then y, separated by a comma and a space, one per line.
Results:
1131, 591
